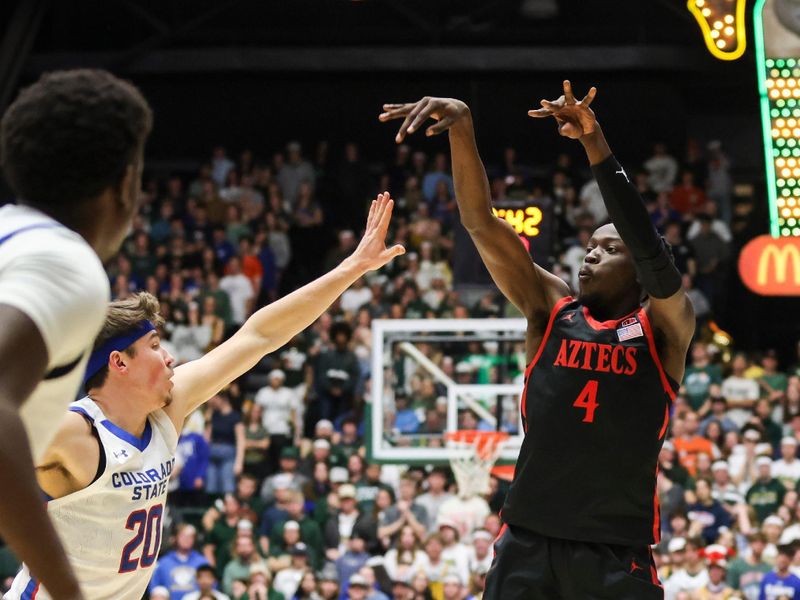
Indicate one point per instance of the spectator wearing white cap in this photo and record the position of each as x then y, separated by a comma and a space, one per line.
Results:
787, 468
244, 557
721, 483
281, 416
742, 460
350, 562
766, 494
357, 587
310, 531
320, 452
287, 580
692, 577
676, 549
454, 553
344, 523
452, 587
741, 392
159, 593
772, 527
479, 555
746, 571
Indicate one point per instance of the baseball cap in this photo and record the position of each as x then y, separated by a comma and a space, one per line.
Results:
244, 525
339, 475
789, 441
282, 481
276, 373
482, 534
668, 445
324, 424
716, 554
719, 465
299, 549
452, 578
322, 443
763, 460
752, 434
328, 573
357, 580
291, 525
347, 490
676, 544
159, 590
774, 520
290, 452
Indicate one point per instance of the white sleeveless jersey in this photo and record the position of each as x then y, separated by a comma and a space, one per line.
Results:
111, 530
53, 276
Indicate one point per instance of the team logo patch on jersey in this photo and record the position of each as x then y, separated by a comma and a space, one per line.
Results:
627, 322
629, 332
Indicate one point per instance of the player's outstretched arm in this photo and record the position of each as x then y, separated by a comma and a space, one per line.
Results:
530, 288
274, 325
24, 523
668, 306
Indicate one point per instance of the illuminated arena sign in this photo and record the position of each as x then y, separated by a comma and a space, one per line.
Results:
770, 264
723, 26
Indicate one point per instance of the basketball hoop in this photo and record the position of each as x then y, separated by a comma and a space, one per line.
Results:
472, 454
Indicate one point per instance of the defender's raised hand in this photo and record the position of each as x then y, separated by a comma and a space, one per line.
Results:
372, 251
447, 111
575, 119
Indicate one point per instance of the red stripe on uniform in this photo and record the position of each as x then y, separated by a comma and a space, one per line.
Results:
557, 307
499, 535
651, 342
656, 513
653, 571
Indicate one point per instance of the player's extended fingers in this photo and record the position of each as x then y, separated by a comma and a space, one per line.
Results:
371, 215
421, 117
540, 112
380, 206
386, 217
568, 95
588, 98
395, 111
401, 134
440, 126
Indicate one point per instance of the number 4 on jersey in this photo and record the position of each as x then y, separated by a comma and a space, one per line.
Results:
587, 399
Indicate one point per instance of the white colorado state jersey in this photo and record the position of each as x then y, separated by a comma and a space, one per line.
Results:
53, 276
111, 530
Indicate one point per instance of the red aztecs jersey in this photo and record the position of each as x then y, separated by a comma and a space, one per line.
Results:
595, 409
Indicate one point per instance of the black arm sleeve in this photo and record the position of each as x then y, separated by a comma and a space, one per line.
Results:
657, 272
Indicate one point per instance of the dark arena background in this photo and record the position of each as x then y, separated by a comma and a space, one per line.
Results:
266, 147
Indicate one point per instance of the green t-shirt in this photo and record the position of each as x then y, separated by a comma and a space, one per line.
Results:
777, 381
221, 535
697, 380
765, 498
746, 577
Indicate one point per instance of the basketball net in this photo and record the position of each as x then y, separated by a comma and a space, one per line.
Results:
472, 454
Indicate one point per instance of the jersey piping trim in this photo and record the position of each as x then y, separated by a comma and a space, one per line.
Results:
8, 236
601, 325
651, 342
556, 309
139, 443
82, 411
31, 590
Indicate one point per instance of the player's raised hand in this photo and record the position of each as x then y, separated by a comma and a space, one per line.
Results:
447, 111
575, 119
372, 252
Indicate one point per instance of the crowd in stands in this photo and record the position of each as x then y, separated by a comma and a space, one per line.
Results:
272, 497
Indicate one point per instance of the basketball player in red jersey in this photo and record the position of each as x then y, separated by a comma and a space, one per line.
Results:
603, 370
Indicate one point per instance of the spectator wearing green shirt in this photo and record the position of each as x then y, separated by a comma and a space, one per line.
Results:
244, 557
220, 523
773, 383
746, 572
310, 532
766, 494
700, 375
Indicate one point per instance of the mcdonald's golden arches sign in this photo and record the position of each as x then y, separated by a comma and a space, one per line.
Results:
771, 266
